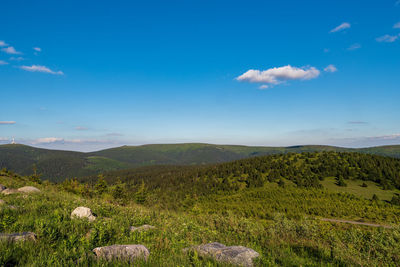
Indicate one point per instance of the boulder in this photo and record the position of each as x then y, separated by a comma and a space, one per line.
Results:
2, 187
9, 191
83, 212
142, 228
236, 255
122, 252
28, 189
25, 236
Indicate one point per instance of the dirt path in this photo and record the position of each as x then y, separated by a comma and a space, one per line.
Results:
355, 222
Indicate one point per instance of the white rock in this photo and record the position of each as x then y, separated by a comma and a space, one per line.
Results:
83, 212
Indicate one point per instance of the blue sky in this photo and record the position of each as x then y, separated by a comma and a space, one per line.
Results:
87, 75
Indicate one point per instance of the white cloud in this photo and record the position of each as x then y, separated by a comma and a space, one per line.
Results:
341, 27
47, 140
354, 47
279, 75
330, 68
387, 38
37, 49
2, 43
38, 68
16, 58
2, 62
10, 50
7, 122
264, 86
397, 25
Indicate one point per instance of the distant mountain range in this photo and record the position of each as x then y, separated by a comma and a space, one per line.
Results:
56, 165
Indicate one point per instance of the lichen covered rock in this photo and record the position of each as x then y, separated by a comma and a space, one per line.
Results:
237, 255
122, 252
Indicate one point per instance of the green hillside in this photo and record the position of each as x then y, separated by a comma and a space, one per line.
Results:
56, 165
278, 205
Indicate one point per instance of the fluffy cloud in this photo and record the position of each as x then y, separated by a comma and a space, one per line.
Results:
2, 43
387, 38
278, 75
330, 68
341, 27
2, 62
10, 50
38, 68
37, 49
397, 25
354, 47
6, 122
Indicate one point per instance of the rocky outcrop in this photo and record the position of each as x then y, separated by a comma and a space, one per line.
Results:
2, 187
25, 236
236, 255
122, 252
142, 228
9, 191
28, 189
83, 212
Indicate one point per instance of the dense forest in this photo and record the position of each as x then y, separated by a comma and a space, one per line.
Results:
303, 170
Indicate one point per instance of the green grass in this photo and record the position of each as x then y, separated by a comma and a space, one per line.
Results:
354, 187
281, 241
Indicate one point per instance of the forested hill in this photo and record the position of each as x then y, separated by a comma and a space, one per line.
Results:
305, 170
57, 165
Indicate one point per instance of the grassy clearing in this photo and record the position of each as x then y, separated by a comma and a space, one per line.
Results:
354, 187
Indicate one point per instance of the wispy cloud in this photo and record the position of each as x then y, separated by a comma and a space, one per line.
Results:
2, 43
80, 128
17, 58
2, 62
330, 68
37, 49
354, 47
10, 50
278, 75
114, 134
47, 140
7, 122
44, 69
396, 25
341, 27
387, 38
357, 122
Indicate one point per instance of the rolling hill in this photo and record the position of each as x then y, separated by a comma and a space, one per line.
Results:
56, 165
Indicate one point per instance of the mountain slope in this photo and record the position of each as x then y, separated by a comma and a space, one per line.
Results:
57, 165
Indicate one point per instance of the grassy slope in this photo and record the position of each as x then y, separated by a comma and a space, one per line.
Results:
56, 165
281, 241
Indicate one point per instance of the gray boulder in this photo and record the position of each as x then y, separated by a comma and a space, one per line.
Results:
28, 189
236, 255
2, 187
122, 252
142, 228
83, 212
25, 236
9, 191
